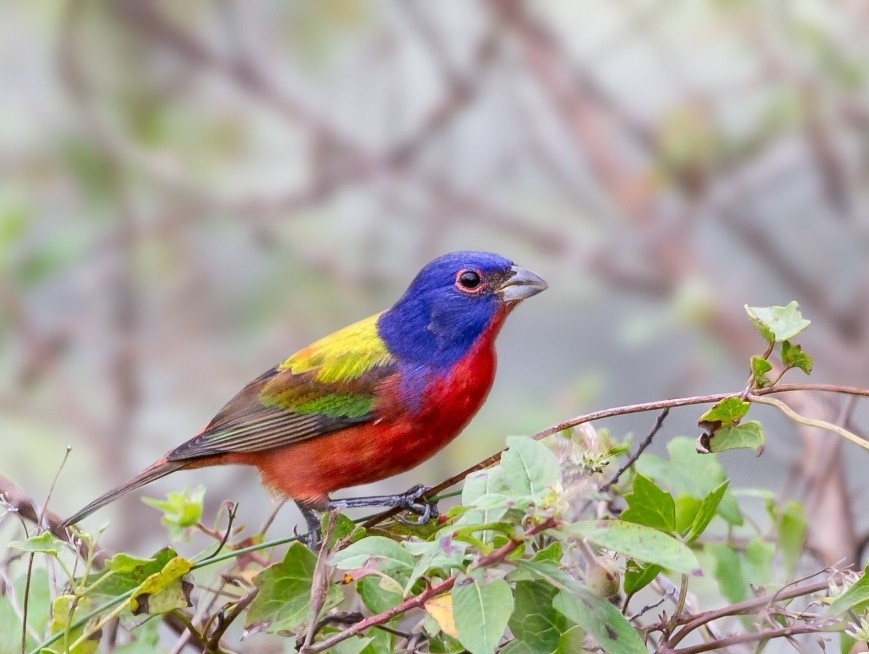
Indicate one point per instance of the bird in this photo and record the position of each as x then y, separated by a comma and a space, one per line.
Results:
369, 401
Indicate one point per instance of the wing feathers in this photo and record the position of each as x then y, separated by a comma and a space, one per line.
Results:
327, 386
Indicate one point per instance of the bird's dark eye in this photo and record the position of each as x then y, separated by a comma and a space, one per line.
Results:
468, 280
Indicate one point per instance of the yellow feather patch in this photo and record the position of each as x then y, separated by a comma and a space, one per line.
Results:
342, 356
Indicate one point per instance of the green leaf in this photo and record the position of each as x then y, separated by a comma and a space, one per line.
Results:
10, 624
344, 526
443, 552
552, 552
146, 637
384, 552
598, 617
571, 641
687, 508
480, 485
181, 509
690, 473
39, 608
726, 413
728, 572
534, 620
65, 610
759, 368
355, 645
530, 468
746, 436
791, 527
44, 543
636, 541
757, 561
376, 597
517, 647
481, 611
124, 573
776, 324
856, 598
284, 595
639, 575
792, 356
163, 591
706, 511
649, 505
442, 643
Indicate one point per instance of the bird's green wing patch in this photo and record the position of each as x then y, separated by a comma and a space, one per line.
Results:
324, 387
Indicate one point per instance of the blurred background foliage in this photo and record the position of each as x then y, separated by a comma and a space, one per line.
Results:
193, 190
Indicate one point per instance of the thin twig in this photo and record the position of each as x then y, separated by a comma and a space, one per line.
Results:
231, 518
811, 422
642, 448
29, 575
723, 643
741, 608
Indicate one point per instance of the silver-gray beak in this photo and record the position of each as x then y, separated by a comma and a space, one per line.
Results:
520, 285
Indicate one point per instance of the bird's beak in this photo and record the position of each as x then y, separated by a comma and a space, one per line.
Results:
520, 285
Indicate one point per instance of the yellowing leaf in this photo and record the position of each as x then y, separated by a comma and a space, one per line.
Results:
65, 610
441, 609
163, 591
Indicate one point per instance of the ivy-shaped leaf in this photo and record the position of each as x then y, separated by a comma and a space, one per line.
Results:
181, 509
726, 413
163, 591
44, 543
759, 368
534, 620
124, 573
776, 324
284, 597
746, 436
792, 356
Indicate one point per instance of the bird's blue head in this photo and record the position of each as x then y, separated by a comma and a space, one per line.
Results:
451, 303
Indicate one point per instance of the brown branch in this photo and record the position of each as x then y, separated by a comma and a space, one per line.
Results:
642, 448
724, 643
742, 608
658, 405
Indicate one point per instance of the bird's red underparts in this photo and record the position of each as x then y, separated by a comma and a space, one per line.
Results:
399, 439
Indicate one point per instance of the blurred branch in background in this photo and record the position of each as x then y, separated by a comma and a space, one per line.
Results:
194, 190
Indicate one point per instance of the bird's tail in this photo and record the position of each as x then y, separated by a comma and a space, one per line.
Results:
159, 469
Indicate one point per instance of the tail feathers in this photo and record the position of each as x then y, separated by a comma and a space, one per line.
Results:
156, 471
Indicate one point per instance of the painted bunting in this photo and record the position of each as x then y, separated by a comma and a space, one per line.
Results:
371, 400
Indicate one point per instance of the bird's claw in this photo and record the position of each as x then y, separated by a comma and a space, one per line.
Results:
410, 501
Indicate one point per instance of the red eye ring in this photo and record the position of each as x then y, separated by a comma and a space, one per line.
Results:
469, 281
